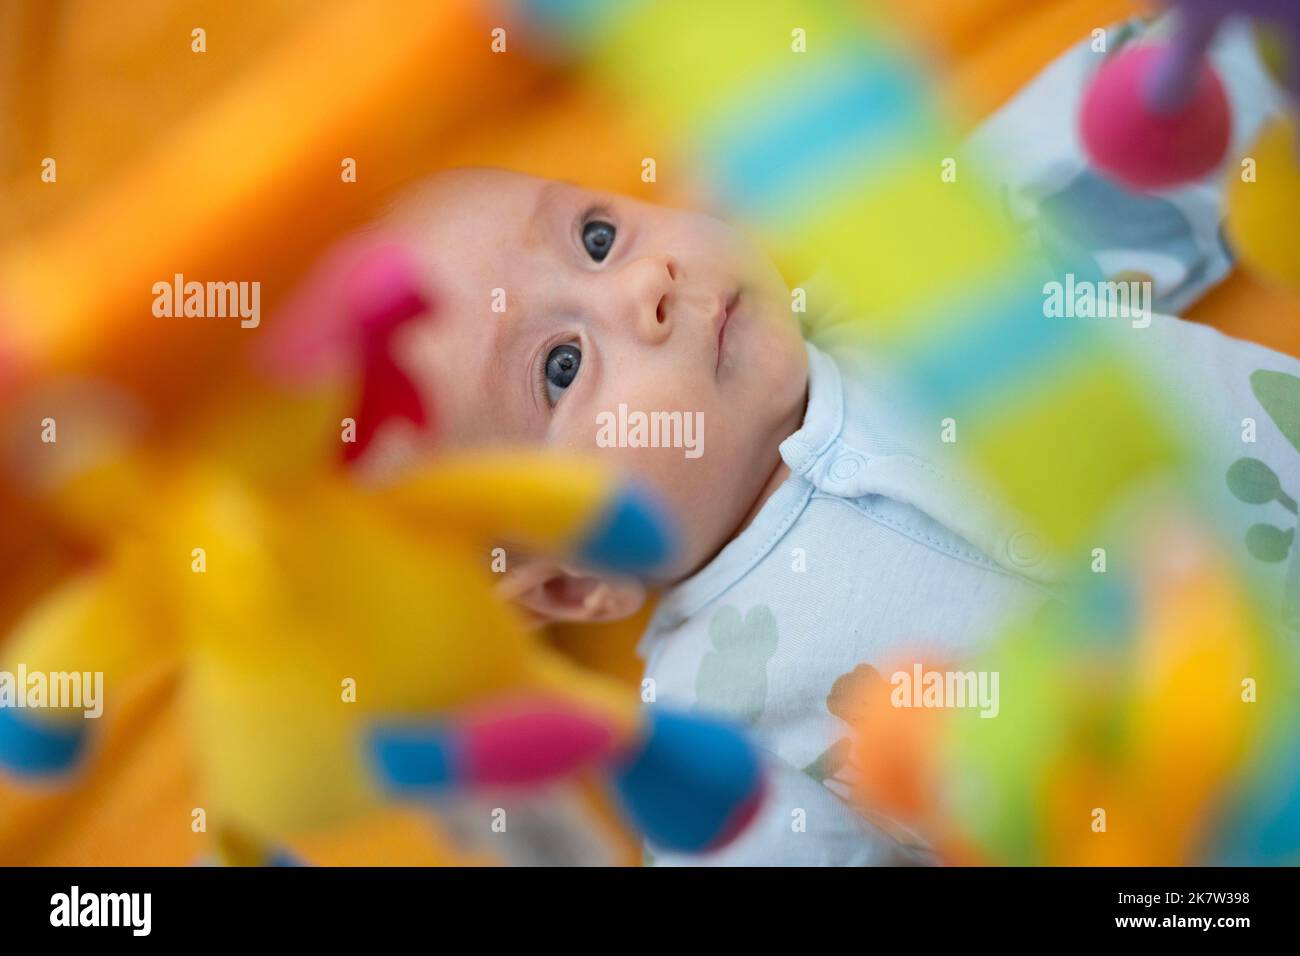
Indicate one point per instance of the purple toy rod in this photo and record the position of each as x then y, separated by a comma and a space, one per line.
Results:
1173, 81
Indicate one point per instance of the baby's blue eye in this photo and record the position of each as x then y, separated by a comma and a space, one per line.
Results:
561, 369
598, 239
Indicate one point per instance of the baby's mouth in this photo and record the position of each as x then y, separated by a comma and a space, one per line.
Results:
724, 316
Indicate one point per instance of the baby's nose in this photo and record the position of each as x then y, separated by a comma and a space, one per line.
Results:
653, 284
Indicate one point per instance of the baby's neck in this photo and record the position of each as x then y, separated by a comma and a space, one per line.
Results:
774, 481
779, 473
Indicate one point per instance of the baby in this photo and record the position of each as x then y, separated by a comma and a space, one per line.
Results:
823, 537
817, 537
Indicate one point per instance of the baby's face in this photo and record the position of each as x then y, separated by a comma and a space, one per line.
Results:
555, 305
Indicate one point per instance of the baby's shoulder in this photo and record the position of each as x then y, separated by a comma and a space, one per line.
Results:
898, 467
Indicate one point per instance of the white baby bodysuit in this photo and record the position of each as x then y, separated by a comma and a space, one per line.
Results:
852, 559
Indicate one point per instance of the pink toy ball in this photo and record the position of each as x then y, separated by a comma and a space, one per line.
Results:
1141, 145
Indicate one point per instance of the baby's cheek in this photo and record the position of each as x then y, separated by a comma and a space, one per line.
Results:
573, 429
698, 491
677, 442
654, 453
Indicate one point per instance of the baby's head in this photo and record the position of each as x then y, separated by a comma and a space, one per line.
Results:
556, 305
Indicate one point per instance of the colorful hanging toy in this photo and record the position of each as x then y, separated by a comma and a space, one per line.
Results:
1156, 117
1157, 728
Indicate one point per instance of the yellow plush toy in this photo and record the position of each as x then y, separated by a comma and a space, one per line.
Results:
338, 646
342, 646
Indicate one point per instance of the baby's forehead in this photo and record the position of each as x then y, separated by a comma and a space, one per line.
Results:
479, 197
471, 223
469, 227
450, 359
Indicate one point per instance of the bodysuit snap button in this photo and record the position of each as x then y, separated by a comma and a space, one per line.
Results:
846, 467
1025, 548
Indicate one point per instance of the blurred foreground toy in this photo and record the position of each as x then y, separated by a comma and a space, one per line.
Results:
1156, 117
342, 646
1150, 724
1051, 412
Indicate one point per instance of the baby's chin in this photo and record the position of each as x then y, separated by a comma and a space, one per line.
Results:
769, 360
717, 498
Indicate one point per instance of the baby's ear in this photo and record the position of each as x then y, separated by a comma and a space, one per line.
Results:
550, 592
